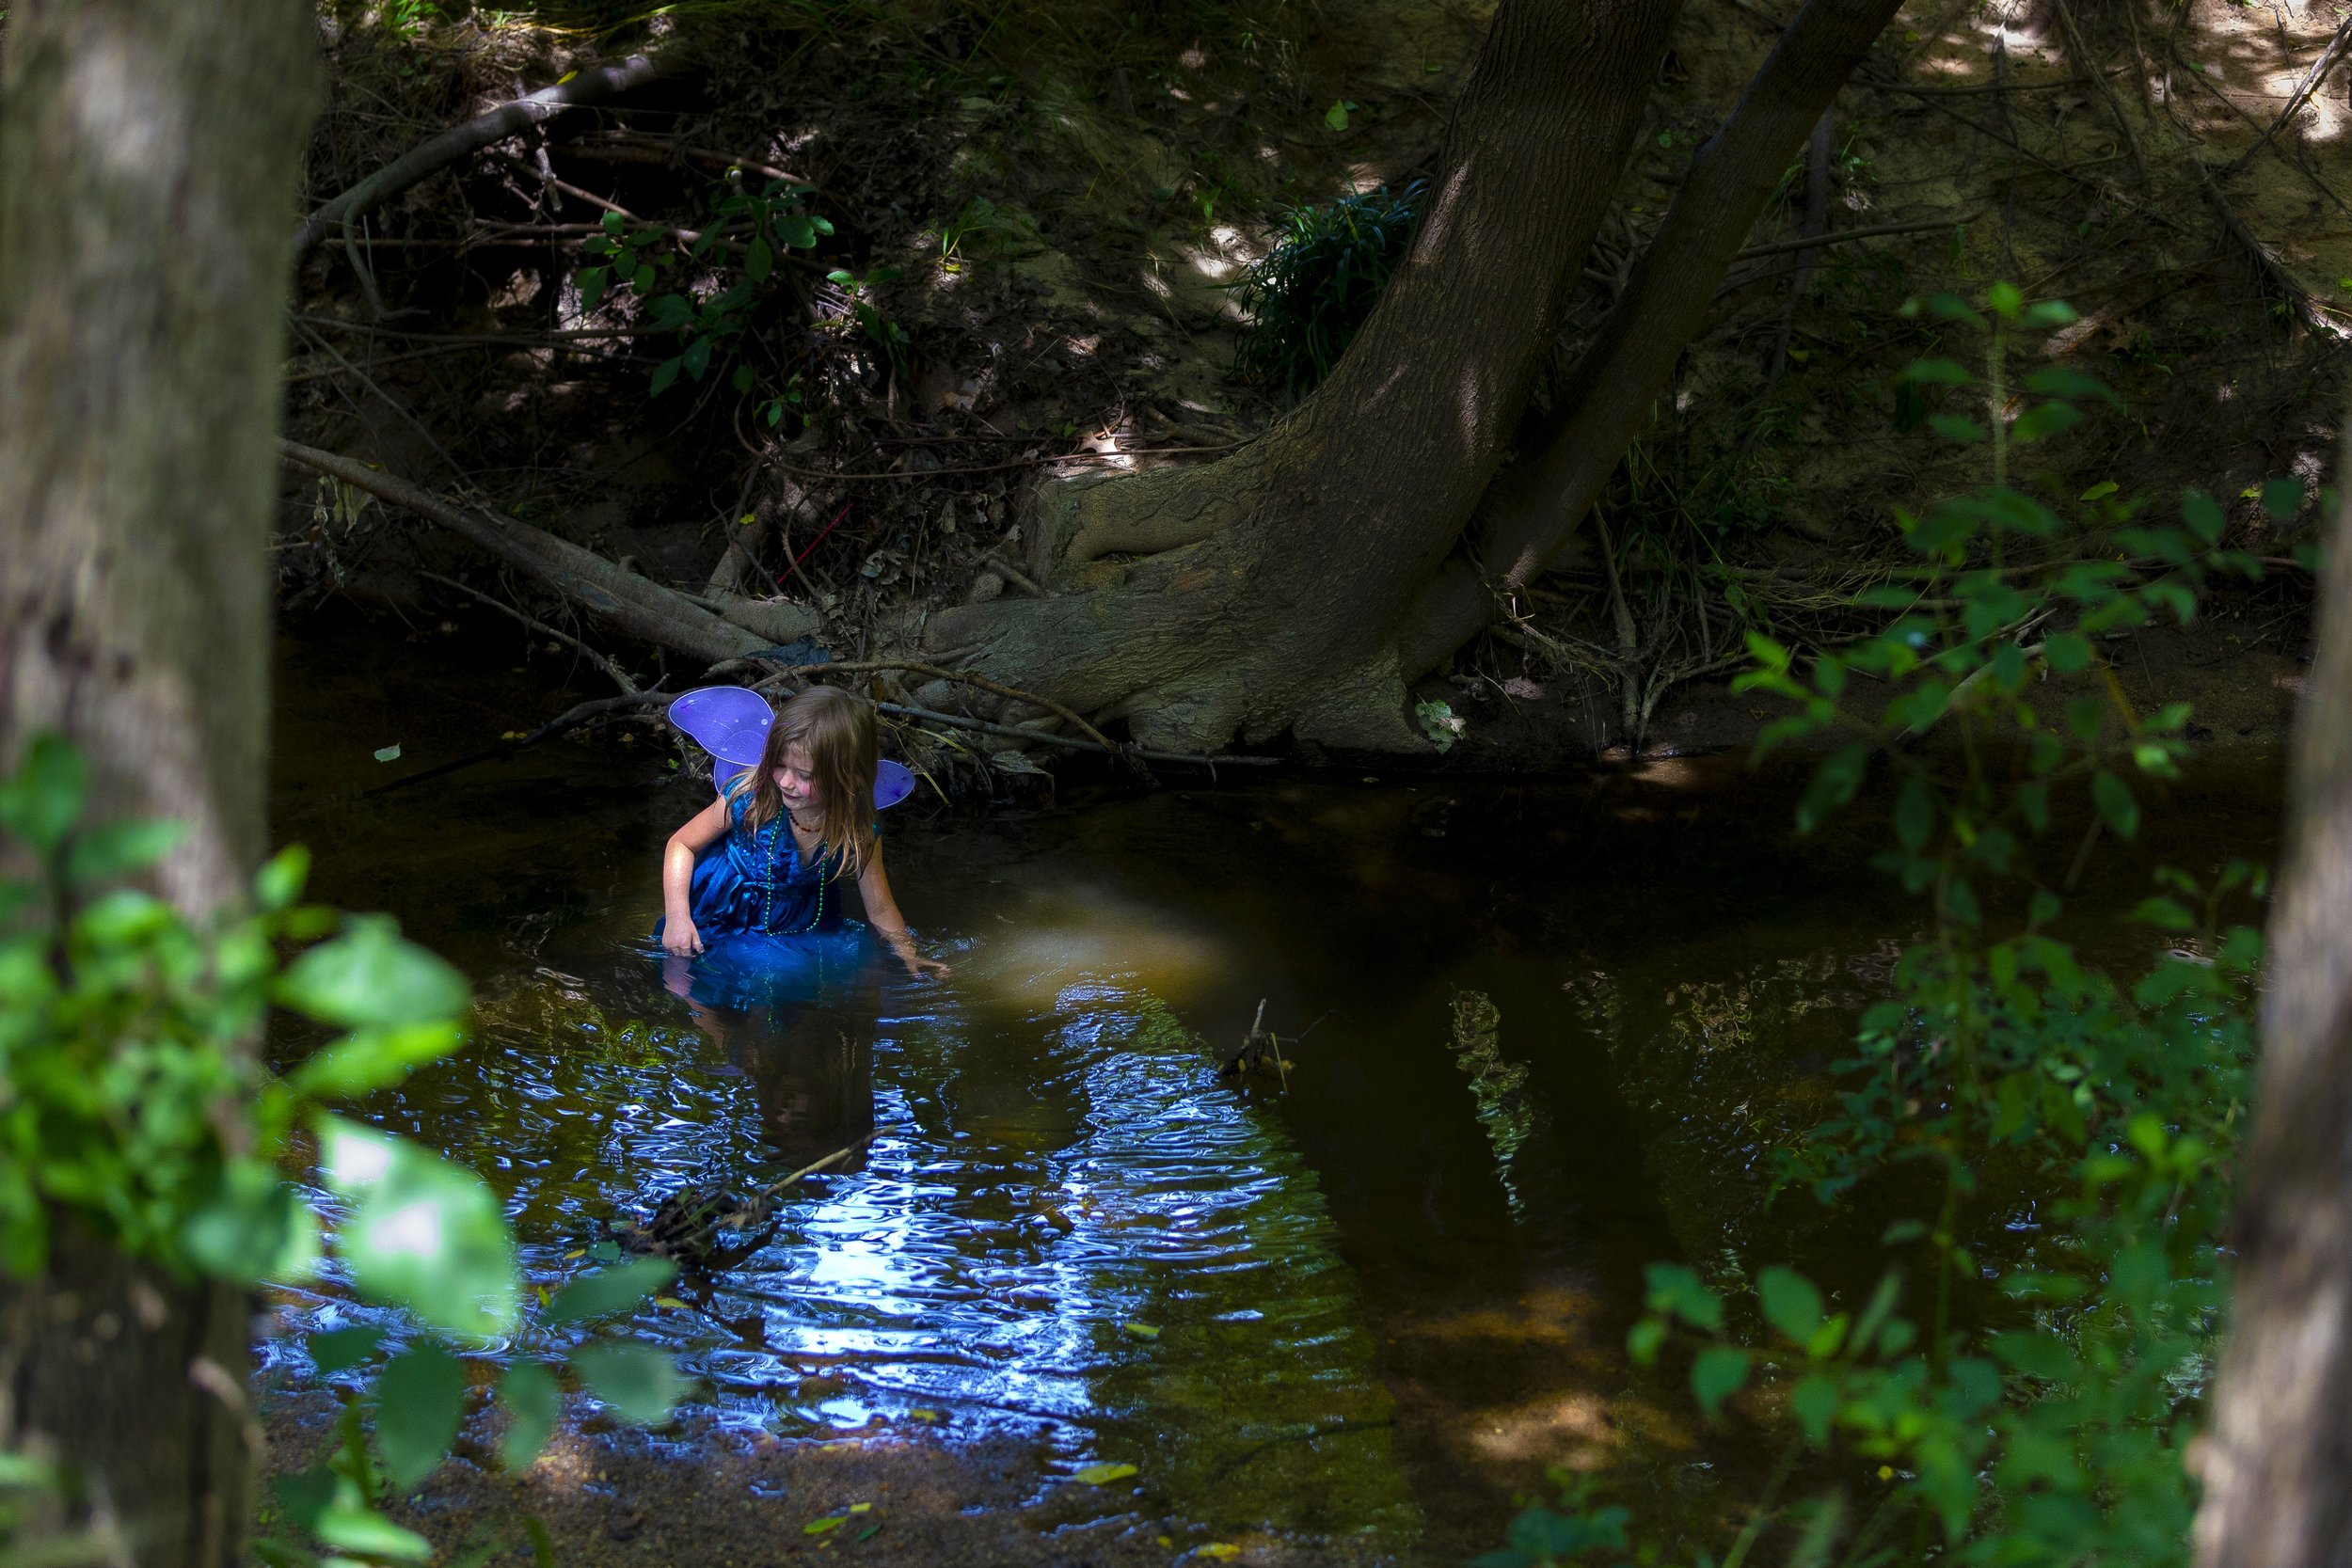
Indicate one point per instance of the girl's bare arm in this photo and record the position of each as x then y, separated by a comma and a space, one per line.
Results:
704, 828
881, 913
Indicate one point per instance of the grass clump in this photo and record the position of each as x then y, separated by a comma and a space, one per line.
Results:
1306, 300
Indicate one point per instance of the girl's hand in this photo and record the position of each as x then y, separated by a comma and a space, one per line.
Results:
680, 938
919, 966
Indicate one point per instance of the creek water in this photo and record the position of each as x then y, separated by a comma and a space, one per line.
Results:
1555, 1025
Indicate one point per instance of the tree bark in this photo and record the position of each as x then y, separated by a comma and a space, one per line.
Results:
1301, 581
2281, 1443
1300, 552
629, 602
149, 155
1542, 501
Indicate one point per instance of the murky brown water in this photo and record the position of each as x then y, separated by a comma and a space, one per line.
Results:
1383, 1299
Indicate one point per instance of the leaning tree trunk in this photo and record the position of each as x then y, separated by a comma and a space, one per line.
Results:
2279, 1449
1301, 581
1301, 552
149, 154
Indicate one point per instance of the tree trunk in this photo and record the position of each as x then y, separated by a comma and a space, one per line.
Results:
2280, 1445
1302, 581
1546, 498
1302, 551
149, 159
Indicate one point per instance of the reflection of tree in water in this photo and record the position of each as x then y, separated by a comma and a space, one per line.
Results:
1722, 1074
1505, 1111
812, 1071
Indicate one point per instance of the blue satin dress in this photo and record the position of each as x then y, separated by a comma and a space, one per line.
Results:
771, 918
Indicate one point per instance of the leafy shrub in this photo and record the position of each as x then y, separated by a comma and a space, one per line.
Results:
2047, 1423
1306, 300
126, 1066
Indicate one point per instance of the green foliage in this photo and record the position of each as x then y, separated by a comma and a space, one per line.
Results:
1306, 300
682, 289
131, 1100
2047, 1423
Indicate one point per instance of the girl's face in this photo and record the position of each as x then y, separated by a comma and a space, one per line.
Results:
796, 780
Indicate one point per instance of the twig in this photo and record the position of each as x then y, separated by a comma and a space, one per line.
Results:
555, 336
2328, 57
2231, 105
914, 476
870, 666
564, 723
2099, 85
1068, 742
2267, 263
1910, 90
619, 675
437, 152
1781, 248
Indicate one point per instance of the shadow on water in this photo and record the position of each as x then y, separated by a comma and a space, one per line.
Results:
1564, 1021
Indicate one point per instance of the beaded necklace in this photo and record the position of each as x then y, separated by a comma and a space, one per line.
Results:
767, 878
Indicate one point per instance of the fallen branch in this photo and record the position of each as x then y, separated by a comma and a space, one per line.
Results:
2081, 51
872, 666
634, 605
1840, 236
564, 723
1069, 742
2274, 272
2312, 78
437, 152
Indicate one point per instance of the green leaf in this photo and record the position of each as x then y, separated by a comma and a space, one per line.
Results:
2100, 491
423, 1233
1717, 1374
420, 1399
2005, 299
1834, 785
2045, 420
1945, 372
371, 979
371, 1059
1102, 1475
1791, 1303
2067, 650
664, 374
798, 231
2116, 808
528, 1391
43, 800
2070, 383
638, 1380
1677, 1289
1643, 1341
280, 881
339, 1349
1914, 813
758, 260
387, 754
2202, 514
697, 357
359, 1530
608, 1290
1814, 1403
741, 378
641, 279
254, 1228
592, 283
2283, 497
119, 848
1335, 116
1953, 428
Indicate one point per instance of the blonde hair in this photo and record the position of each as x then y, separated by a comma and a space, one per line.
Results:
837, 729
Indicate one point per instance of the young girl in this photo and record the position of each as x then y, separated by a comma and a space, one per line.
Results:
784, 836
